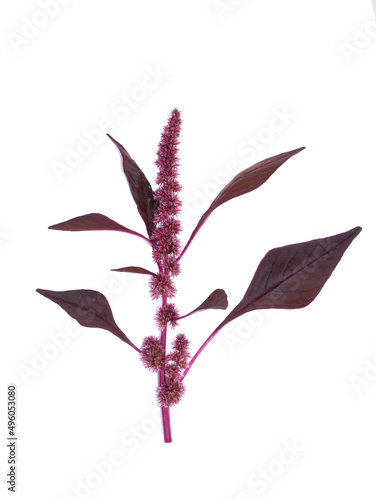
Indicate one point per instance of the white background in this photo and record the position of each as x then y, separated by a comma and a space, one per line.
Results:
265, 379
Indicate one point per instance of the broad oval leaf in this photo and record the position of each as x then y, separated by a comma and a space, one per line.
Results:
216, 300
289, 277
246, 181
134, 269
94, 222
140, 187
89, 307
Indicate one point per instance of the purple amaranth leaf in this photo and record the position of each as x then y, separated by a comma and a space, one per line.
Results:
140, 187
216, 300
134, 269
290, 277
89, 307
94, 222
246, 181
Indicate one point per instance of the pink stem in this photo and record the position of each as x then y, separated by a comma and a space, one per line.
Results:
135, 347
195, 231
165, 410
201, 349
165, 415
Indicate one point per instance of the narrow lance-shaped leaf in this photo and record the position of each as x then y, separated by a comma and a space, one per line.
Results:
140, 187
290, 277
246, 181
216, 300
134, 269
89, 307
94, 222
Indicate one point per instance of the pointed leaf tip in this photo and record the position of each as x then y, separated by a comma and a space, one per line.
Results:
292, 276
139, 186
289, 277
94, 222
134, 269
89, 307
216, 300
246, 181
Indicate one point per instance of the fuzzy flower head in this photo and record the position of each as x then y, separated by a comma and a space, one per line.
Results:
179, 355
152, 354
164, 243
170, 392
167, 155
168, 207
160, 284
167, 314
181, 344
172, 266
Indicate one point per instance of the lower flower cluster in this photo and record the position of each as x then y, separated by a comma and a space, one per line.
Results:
154, 358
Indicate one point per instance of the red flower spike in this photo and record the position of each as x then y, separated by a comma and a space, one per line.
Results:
168, 186
166, 248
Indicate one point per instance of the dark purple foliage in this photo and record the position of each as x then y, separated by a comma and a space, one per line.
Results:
216, 300
288, 277
248, 180
140, 187
89, 308
134, 269
93, 222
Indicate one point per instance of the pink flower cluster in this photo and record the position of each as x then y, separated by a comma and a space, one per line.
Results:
153, 356
167, 314
165, 241
166, 249
166, 245
172, 389
160, 284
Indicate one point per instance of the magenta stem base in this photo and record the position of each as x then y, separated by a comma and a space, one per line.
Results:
166, 425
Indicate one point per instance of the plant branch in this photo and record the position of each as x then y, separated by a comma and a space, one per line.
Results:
193, 359
165, 410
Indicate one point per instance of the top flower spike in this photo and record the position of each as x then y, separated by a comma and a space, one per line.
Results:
166, 245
